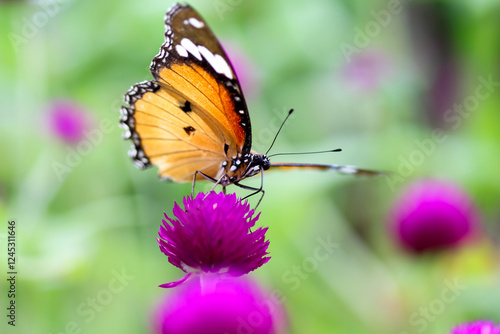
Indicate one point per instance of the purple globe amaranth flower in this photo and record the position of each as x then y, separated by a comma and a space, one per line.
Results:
477, 327
233, 305
433, 215
211, 235
68, 121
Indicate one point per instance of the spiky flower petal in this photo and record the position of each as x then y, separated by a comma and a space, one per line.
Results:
212, 234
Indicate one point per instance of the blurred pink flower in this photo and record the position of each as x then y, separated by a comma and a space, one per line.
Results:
68, 121
232, 305
477, 327
432, 215
366, 70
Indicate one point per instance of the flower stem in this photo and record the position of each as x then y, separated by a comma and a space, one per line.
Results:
207, 283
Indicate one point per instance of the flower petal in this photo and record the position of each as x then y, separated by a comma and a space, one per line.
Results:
176, 283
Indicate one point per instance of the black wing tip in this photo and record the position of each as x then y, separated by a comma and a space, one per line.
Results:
127, 121
161, 58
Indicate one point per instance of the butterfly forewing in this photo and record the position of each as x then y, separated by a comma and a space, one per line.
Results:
193, 116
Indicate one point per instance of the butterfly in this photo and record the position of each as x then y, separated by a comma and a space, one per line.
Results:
192, 121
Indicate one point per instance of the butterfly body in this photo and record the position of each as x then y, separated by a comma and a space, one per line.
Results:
239, 168
192, 121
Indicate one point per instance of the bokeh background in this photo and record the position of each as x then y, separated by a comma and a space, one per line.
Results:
378, 79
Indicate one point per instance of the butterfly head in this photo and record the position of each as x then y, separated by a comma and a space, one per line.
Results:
261, 161
255, 164
241, 167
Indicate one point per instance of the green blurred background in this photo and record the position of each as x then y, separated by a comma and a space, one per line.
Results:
374, 78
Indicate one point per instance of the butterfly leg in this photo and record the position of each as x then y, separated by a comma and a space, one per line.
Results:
209, 178
256, 190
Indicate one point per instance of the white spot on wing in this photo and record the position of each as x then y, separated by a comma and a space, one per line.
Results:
196, 23
217, 62
209, 56
127, 134
181, 50
191, 48
132, 152
223, 67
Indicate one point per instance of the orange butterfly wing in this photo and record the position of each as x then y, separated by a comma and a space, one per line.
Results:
193, 116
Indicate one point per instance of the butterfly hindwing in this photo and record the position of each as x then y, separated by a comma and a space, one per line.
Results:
193, 116
165, 136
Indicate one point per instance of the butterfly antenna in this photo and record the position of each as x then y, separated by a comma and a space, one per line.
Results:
279, 130
312, 152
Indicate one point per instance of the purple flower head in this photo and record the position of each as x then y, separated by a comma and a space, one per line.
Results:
234, 305
68, 121
433, 215
477, 327
212, 235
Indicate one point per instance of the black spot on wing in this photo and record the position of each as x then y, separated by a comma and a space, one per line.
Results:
186, 107
189, 130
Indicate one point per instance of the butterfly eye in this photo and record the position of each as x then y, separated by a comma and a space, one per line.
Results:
266, 164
